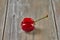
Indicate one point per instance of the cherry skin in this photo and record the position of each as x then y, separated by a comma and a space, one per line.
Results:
27, 24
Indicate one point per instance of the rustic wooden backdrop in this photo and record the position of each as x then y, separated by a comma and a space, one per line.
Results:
13, 11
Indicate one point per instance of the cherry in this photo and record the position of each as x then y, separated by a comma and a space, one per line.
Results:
27, 24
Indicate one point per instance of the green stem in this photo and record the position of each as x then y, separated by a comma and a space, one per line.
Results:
41, 18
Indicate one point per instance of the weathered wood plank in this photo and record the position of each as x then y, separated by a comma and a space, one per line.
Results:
56, 8
3, 4
18, 9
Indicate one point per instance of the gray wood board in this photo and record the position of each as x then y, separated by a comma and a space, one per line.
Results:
18, 9
56, 7
3, 4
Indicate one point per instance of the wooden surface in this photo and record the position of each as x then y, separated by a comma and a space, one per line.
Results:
3, 4
56, 7
46, 29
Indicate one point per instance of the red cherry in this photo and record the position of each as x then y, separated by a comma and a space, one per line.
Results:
27, 24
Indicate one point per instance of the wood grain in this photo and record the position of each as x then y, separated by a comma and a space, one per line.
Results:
18, 9
56, 8
3, 4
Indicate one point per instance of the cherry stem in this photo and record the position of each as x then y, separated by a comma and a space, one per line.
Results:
41, 18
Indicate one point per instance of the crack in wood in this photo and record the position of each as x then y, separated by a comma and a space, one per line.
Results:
54, 18
5, 20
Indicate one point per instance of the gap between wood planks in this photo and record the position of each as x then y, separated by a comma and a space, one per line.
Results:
5, 19
52, 4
